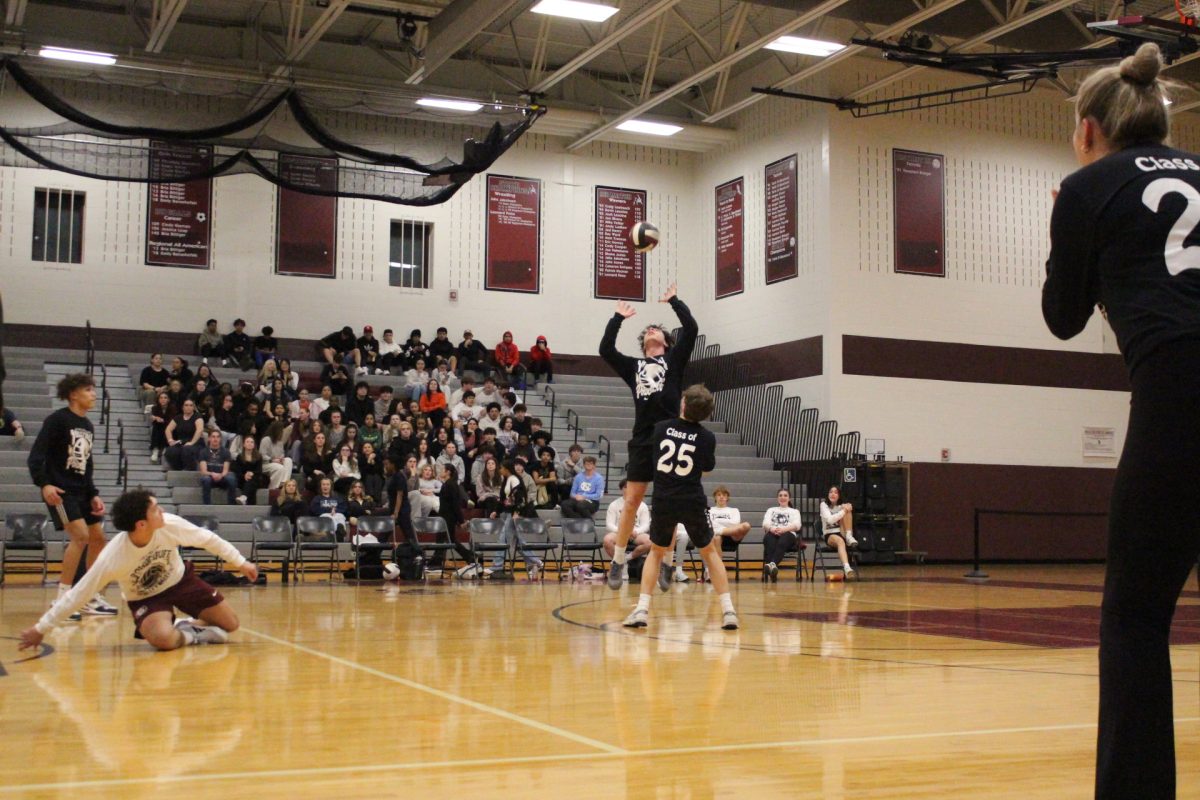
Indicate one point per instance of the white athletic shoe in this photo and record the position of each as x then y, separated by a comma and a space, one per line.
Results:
99, 607
681, 576
638, 618
729, 621
360, 371
241, 499
850, 540
206, 634
147, 409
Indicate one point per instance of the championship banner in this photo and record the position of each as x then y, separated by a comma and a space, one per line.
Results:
730, 202
179, 215
781, 201
918, 192
513, 248
620, 270
306, 230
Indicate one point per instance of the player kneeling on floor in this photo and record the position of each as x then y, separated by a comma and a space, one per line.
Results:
144, 559
685, 450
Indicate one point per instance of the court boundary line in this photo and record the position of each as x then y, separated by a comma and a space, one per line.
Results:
548, 758
544, 727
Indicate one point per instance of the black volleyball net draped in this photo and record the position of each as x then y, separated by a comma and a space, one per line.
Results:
82, 143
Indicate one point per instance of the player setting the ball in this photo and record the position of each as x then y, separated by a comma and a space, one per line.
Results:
655, 380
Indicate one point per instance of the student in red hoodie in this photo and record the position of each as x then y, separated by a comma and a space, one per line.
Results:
539, 361
508, 359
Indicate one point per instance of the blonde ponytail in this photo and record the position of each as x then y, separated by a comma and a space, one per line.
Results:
1128, 100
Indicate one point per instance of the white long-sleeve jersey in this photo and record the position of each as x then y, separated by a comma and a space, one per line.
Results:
141, 572
612, 518
723, 518
831, 517
781, 517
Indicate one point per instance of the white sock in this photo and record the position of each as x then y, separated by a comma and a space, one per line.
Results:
644, 602
726, 601
847, 568
619, 555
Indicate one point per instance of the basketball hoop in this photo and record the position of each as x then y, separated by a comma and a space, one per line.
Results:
1189, 11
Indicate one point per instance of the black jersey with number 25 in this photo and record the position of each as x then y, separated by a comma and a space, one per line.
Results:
684, 452
1125, 233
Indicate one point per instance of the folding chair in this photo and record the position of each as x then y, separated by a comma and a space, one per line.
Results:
533, 534
209, 523
734, 554
315, 535
579, 536
442, 543
383, 529
26, 543
273, 535
486, 538
823, 554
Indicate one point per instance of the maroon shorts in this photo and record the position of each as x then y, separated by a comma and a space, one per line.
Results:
191, 596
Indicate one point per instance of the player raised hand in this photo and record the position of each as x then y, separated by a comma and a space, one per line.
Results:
669, 294
625, 310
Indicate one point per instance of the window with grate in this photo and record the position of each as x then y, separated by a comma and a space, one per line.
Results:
58, 225
410, 254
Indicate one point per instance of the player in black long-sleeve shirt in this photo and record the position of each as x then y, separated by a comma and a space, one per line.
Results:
656, 380
60, 463
1123, 234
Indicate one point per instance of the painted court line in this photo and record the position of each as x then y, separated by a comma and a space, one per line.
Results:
453, 698
361, 769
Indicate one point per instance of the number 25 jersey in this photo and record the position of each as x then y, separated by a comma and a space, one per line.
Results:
684, 451
1124, 233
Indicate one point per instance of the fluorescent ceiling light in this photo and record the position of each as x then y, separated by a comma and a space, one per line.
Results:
82, 56
653, 128
805, 47
453, 105
575, 9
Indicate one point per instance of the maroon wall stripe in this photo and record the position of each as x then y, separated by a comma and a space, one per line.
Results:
944, 498
973, 363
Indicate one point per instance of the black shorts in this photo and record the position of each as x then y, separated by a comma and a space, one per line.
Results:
693, 516
640, 466
74, 506
191, 596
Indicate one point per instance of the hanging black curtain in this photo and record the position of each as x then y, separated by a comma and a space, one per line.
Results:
386, 177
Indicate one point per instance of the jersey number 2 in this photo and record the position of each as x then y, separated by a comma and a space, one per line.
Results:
1177, 255
677, 461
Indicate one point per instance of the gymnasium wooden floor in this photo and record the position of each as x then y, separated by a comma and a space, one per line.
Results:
909, 684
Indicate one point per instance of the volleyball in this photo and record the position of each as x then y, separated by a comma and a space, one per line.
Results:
391, 572
645, 236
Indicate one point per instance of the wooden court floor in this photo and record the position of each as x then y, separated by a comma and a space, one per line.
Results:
909, 684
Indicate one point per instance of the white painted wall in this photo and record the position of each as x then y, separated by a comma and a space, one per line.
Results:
114, 288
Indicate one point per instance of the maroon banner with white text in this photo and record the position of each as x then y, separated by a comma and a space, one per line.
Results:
730, 203
918, 192
514, 221
179, 215
780, 187
620, 270
306, 231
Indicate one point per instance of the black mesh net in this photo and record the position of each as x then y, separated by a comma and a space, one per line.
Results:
83, 144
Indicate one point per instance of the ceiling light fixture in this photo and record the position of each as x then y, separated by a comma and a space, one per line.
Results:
82, 56
451, 105
805, 47
653, 128
575, 9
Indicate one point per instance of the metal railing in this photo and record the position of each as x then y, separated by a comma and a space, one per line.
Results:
105, 416
89, 347
606, 454
122, 457
553, 408
573, 413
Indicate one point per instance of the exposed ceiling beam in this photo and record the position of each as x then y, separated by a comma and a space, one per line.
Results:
728, 46
652, 61
1040, 12
329, 15
454, 28
894, 29
627, 27
14, 13
162, 21
682, 86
